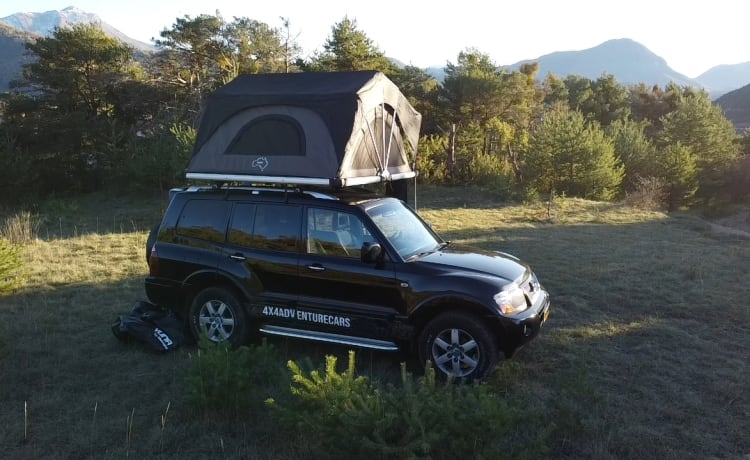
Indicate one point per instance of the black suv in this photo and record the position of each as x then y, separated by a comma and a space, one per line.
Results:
348, 267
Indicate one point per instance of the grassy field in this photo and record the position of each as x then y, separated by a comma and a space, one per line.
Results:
645, 354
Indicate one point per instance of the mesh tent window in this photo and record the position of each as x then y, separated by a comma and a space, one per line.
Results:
269, 135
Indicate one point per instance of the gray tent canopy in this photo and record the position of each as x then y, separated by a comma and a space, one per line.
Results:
314, 128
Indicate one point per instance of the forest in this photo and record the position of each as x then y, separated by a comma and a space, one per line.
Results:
90, 113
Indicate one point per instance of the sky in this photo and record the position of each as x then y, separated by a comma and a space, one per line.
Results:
692, 36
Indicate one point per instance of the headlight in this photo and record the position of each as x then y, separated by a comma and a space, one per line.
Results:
511, 300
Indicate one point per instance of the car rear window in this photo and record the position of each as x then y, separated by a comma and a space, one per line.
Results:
204, 219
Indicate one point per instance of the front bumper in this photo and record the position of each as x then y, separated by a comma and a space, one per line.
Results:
524, 327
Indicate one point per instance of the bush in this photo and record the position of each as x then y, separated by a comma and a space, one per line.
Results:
159, 162
17, 176
649, 193
230, 383
347, 416
738, 179
10, 266
430, 161
493, 174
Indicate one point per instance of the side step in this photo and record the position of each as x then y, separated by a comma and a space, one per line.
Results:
329, 337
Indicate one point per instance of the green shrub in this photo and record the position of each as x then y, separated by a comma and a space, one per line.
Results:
231, 383
159, 162
10, 266
493, 174
345, 416
430, 162
18, 177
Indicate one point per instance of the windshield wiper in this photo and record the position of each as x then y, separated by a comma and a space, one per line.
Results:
417, 255
424, 253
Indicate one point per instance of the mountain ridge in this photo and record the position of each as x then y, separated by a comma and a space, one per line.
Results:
736, 106
12, 53
627, 60
44, 23
616, 57
724, 78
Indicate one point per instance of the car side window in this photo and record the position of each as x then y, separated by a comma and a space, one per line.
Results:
335, 233
203, 219
241, 228
274, 227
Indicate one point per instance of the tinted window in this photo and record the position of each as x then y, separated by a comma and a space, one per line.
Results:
276, 227
335, 233
241, 229
204, 219
269, 135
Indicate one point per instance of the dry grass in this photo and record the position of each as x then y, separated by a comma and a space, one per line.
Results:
652, 306
20, 228
645, 354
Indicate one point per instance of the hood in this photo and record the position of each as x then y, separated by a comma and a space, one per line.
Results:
476, 260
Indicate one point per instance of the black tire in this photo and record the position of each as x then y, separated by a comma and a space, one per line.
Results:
459, 346
218, 316
151, 241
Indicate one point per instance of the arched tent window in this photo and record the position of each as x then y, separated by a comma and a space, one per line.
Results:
269, 135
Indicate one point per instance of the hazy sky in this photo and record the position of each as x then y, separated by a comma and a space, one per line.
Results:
692, 36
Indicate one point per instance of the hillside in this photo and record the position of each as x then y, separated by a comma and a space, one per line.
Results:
736, 105
629, 62
12, 54
724, 78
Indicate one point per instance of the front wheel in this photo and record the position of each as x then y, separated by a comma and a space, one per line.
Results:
217, 315
459, 345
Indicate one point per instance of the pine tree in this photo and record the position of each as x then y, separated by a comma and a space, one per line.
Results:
566, 155
348, 48
701, 126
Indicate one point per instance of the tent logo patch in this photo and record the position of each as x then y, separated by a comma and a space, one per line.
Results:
260, 163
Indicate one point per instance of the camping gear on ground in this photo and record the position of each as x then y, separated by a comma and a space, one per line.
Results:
158, 328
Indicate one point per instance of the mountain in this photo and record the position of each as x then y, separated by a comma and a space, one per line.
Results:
736, 106
724, 78
44, 23
12, 54
438, 73
629, 62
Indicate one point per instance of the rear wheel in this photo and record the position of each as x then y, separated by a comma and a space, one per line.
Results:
459, 346
217, 315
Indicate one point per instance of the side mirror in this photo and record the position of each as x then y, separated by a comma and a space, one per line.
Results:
370, 252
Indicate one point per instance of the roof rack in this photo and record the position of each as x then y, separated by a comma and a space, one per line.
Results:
334, 183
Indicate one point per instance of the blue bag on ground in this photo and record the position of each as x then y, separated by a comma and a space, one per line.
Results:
158, 328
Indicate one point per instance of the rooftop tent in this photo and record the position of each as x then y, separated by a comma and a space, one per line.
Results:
313, 128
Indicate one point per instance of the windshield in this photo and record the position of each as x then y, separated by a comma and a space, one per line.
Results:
405, 231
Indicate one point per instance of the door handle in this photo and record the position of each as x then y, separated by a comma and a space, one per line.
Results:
316, 268
238, 257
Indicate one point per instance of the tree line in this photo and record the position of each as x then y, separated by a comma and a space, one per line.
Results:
90, 113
